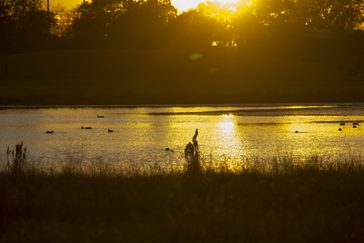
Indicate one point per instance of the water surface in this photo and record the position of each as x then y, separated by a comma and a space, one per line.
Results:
141, 134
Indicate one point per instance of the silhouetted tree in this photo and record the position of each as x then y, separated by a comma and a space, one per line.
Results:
143, 24
7, 25
221, 14
246, 25
335, 15
92, 24
63, 18
271, 23
191, 29
23, 24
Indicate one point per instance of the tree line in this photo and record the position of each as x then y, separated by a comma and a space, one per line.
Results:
137, 24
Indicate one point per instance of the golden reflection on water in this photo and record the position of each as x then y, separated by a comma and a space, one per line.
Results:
308, 106
227, 124
227, 127
143, 134
227, 135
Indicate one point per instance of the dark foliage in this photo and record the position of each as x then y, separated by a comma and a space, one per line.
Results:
24, 25
275, 201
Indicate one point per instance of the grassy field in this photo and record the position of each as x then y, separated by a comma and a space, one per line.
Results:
117, 77
277, 201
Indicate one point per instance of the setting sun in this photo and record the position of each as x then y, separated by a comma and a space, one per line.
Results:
184, 5
181, 5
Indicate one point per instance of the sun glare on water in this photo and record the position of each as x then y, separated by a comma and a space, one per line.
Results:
227, 127
227, 136
227, 124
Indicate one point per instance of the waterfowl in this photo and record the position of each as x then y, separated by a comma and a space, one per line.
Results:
49, 131
109, 130
339, 129
82, 128
167, 149
100, 116
88, 127
354, 126
296, 131
343, 123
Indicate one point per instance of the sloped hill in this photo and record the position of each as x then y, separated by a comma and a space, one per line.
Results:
169, 76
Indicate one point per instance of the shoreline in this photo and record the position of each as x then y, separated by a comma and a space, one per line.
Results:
182, 105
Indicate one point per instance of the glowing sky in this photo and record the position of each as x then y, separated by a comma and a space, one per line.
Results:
182, 5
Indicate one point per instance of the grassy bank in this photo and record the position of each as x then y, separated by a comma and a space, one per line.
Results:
277, 201
117, 77
103, 92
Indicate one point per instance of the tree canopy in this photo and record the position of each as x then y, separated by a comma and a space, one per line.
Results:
126, 24
23, 24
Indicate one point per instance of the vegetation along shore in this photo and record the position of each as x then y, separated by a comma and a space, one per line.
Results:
280, 200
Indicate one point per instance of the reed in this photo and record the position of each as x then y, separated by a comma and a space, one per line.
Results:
18, 164
192, 155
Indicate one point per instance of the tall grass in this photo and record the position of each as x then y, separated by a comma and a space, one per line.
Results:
280, 200
18, 159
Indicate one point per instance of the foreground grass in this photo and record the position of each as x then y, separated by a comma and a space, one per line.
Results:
278, 201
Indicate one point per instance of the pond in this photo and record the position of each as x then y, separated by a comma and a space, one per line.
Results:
142, 134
